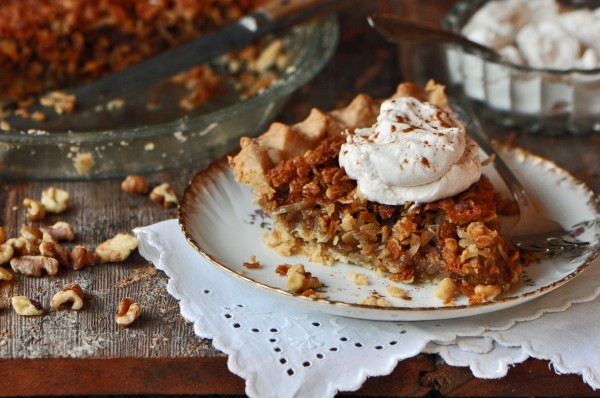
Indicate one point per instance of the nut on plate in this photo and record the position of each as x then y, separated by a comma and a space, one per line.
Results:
26, 307
69, 297
117, 248
55, 200
128, 312
299, 280
164, 195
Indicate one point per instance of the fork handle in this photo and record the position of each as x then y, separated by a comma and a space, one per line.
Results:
503, 170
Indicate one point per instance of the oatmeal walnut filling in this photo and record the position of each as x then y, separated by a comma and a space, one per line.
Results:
320, 212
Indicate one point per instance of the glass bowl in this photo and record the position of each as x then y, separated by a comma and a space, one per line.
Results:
532, 99
137, 141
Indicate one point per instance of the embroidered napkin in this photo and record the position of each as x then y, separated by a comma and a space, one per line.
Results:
283, 352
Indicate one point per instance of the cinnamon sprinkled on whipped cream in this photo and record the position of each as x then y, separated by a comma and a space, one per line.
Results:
415, 152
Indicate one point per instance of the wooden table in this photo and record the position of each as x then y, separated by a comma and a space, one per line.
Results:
86, 353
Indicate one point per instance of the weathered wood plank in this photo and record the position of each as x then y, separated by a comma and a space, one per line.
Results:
160, 354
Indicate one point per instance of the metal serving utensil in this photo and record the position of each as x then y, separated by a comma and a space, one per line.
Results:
398, 29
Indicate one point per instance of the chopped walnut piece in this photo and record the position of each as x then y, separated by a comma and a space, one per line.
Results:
116, 249
34, 265
2, 235
26, 307
6, 253
51, 248
24, 247
128, 312
55, 200
298, 280
5, 275
483, 293
35, 209
32, 234
81, 257
134, 184
60, 231
445, 290
164, 195
69, 297
60, 101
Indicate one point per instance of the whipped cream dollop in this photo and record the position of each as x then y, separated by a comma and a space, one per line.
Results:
415, 152
538, 33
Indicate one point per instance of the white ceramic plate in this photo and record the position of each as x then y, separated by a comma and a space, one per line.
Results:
218, 218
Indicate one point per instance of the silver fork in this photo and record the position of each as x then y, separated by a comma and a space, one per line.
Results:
533, 232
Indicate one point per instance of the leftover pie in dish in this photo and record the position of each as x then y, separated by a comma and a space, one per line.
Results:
394, 186
48, 45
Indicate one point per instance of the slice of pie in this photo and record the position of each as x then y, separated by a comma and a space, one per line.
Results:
387, 209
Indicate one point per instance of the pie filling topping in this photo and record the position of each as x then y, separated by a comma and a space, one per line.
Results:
352, 185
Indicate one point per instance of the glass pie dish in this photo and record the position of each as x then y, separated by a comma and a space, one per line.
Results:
138, 139
533, 99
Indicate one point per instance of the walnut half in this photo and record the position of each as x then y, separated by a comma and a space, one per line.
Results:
71, 295
26, 307
164, 195
35, 209
129, 311
55, 200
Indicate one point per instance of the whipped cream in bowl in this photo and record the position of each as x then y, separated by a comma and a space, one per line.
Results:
549, 76
415, 152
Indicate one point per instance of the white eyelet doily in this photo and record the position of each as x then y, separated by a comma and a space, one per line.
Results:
282, 352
